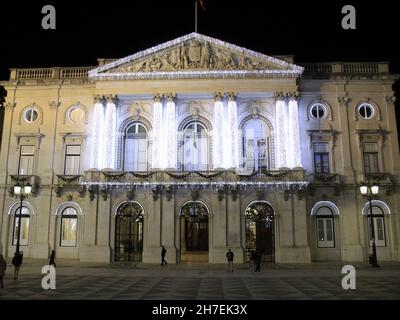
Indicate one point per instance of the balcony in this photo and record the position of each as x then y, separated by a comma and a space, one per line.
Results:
272, 180
34, 181
56, 73
68, 182
324, 178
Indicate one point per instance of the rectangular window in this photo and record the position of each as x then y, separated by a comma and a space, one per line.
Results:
325, 233
68, 232
72, 160
370, 157
24, 236
26, 157
321, 158
379, 230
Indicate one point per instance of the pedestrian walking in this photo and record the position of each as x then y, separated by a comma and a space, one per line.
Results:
257, 261
52, 261
163, 254
229, 256
17, 262
3, 267
252, 261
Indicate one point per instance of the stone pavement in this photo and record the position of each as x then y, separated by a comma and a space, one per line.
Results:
80, 281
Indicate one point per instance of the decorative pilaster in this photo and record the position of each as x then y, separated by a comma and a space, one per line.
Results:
218, 132
109, 133
97, 147
281, 128
158, 146
232, 140
294, 156
170, 133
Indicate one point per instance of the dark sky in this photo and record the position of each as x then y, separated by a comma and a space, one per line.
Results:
87, 30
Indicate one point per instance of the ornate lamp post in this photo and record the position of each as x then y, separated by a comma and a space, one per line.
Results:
21, 192
370, 191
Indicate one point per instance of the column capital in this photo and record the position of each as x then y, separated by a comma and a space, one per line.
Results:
344, 100
99, 99
293, 95
279, 96
390, 100
9, 105
218, 96
157, 97
170, 97
232, 96
112, 98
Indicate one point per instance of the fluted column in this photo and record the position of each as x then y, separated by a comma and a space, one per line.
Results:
232, 141
157, 133
109, 132
281, 125
170, 134
97, 147
218, 132
294, 156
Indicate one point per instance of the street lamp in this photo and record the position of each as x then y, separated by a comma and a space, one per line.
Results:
21, 192
370, 191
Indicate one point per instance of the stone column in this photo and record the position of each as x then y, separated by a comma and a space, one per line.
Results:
157, 153
97, 123
281, 130
232, 141
218, 130
110, 133
152, 229
170, 137
294, 156
168, 226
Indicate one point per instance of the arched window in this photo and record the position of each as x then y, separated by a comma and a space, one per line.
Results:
25, 221
135, 148
256, 145
69, 227
379, 210
325, 212
195, 147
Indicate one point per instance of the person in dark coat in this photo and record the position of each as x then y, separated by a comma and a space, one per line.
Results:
163, 253
257, 261
252, 260
52, 261
229, 256
3, 267
17, 262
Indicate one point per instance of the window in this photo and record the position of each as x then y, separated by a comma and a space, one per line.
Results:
26, 158
31, 115
195, 148
321, 158
325, 224
370, 156
135, 150
69, 227
76, 115
379, 227
25, 219
72, 160
256, 145
318, 111
366, 111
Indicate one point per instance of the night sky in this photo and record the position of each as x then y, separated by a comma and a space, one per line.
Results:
87, 30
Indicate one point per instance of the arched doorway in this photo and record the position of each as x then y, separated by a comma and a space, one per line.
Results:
194, 232
129, 232
260, 230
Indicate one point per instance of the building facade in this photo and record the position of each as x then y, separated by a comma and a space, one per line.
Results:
201, 146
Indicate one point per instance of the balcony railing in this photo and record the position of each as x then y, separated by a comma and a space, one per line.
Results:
346, 68
324, 178
290, 179
50, 73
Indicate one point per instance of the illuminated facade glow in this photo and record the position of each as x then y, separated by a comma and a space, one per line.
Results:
171, 137
232, 136
281, 127
294, 135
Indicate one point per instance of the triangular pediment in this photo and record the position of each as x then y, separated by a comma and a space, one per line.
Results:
195, 56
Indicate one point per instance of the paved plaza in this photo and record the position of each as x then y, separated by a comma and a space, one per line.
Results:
77, 281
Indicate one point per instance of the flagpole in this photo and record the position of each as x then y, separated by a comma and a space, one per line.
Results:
195, 16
